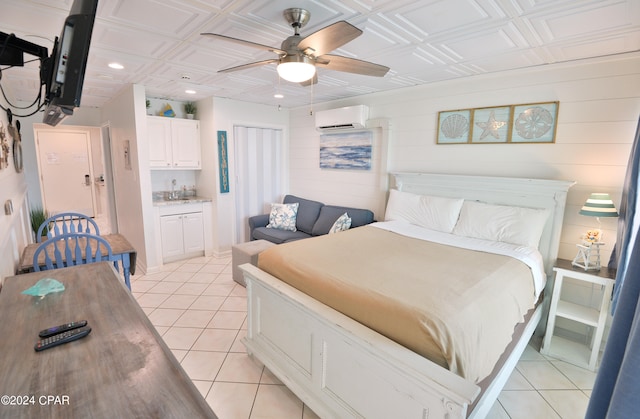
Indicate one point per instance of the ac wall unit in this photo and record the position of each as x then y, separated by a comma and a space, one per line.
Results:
351, 117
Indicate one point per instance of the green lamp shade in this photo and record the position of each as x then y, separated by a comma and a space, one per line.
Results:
599, 205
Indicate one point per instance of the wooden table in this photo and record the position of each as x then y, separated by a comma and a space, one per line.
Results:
120, 248
122, 369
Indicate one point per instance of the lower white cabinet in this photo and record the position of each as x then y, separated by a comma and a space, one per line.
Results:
192, 228
182, 234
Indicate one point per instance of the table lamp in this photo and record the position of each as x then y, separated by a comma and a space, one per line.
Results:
597, 205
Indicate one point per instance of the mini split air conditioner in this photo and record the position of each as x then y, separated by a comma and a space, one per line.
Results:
351, 117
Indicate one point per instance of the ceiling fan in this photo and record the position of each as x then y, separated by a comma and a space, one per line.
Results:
298, 57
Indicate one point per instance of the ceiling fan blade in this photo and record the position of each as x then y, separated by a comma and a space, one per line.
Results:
250, 65
351, 65
329, 38
245, 43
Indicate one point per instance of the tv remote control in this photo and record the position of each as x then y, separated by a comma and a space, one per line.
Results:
60, 338
61, 328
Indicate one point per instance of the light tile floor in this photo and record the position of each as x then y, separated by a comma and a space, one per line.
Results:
201, 314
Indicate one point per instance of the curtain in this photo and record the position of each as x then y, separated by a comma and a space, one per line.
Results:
616, 393
259, 173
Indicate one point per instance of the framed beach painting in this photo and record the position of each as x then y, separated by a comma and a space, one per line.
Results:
346, 150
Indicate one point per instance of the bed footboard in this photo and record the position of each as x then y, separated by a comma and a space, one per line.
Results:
340, 368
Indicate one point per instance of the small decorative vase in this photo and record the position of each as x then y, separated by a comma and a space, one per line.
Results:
189, 116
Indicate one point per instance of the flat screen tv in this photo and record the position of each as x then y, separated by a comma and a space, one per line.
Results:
63, 74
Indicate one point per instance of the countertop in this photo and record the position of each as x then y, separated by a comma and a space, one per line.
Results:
181, 201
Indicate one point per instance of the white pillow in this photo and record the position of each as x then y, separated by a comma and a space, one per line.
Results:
516, 225
342, 223
283, 216
432, 212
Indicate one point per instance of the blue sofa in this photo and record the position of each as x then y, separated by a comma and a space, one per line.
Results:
313, 219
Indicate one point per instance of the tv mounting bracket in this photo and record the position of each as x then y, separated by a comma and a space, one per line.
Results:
12, 50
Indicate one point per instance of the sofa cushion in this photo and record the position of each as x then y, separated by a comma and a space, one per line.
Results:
330, 213
278, 236
307, 212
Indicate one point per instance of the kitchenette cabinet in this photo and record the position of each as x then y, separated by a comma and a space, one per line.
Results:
173, 143
182, 231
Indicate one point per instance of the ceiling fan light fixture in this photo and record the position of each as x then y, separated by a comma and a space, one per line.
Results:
296, 68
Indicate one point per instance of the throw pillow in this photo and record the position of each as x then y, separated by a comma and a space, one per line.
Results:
342, 223
283, 216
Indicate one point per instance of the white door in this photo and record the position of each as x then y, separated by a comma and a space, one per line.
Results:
109, 183
259, 169
66, 177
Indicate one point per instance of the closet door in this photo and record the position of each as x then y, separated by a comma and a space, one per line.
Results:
260, 174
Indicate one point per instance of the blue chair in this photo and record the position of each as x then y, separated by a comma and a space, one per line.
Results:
66, 223
72, 249
76, 249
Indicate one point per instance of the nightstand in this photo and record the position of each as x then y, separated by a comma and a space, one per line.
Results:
585, 356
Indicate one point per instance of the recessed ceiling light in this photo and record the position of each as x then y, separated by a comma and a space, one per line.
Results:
116, 66
191, 92
278, 95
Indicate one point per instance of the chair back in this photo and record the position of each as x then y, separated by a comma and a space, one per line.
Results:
65, 223
71, 249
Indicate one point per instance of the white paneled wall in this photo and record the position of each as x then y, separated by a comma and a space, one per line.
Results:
599, 109
15, 225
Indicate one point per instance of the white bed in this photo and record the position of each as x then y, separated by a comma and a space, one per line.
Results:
341, 368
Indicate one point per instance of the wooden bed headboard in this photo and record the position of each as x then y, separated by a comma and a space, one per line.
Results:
521, 192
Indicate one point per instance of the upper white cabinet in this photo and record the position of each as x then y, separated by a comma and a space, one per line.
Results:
173, 143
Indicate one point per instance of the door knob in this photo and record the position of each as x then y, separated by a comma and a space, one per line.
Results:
87, 180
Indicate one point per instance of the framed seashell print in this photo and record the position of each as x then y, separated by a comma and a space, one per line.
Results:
454, 127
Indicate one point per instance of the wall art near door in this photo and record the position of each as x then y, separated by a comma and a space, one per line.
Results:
4, 148
223, 161
454, 127
346, 150
535, 123
491, 125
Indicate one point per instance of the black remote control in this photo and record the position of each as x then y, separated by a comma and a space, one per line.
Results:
60, 338
61, 328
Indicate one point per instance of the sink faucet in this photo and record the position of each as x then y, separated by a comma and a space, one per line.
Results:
173, 194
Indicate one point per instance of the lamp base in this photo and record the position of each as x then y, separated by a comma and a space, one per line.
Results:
588, 256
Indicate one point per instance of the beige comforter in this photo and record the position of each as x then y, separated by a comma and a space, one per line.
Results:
456, 307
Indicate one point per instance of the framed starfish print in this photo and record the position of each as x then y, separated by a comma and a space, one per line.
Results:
491, 125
